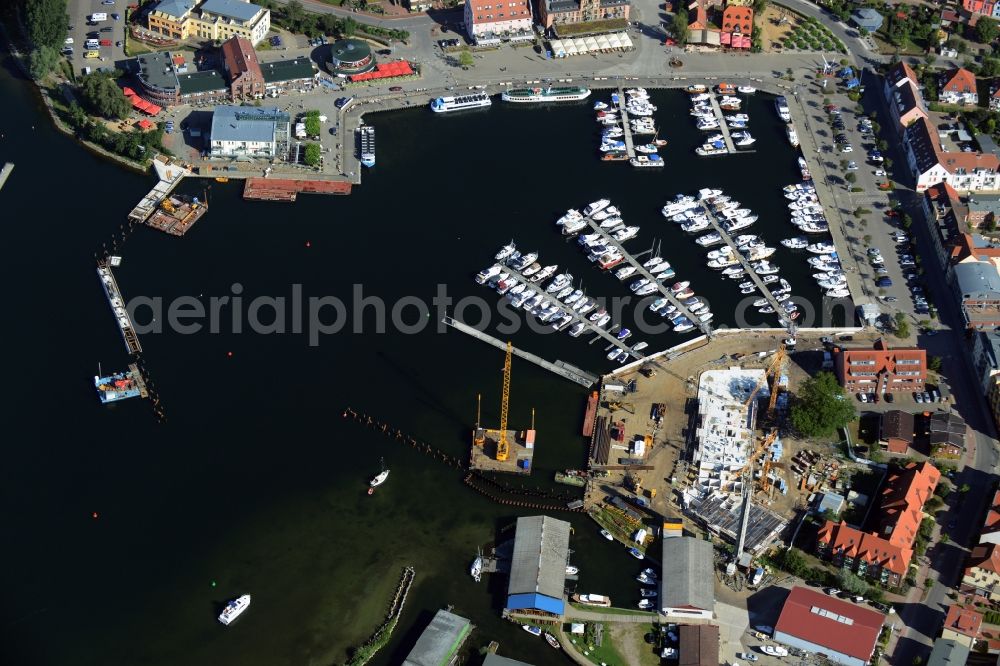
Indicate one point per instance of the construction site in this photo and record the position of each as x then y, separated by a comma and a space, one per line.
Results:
500, 449
697, 439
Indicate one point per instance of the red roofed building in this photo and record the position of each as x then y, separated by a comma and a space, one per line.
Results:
902, 94
868, 555
902, 503
882, 369
958, 86
491, 21
982, 575
930, 164
239, 58
737, 26
845, 633
962, 624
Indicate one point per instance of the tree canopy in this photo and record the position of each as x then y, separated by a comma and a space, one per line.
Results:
42, 61
987, 29
680, 26
821, 407
47, 22
851, 583
104, 97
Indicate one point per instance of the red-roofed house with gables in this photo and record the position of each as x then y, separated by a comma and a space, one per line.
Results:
868, 555
903, 498
882, 369
930, 164
958, 86
982, 575
962, 624
843, 632
491, 21
991, 526
902, 94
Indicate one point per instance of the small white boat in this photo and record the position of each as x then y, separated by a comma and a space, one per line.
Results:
647, 161
234, 609
571, 570
379, 479
647, 148
796, 243
774, 650
600, 106
506, 251
746, 90
552, 641
595, 206
645, 604
625, 272
534, 631
476, 571
607, 535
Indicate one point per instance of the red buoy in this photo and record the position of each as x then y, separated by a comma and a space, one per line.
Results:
94, 515
229, 354
308, 244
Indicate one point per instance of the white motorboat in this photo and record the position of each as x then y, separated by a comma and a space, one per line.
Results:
695, 226
484, 275
595, 206
648, 148
661, 268
611, 222
764, 268
234, 609
774, 650
600, 106
574, 297
647, 289
840, 292
743, 138
559, 283
709, 239
646, 161
822, 248
577, 329
506, 251
658, 304
793, 136
570, 216
645, 604
746, 90
625, 234
476, 570
525, 261
795, 243
625, 272
544, 273
679, 287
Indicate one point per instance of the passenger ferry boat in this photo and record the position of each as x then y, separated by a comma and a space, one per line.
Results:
550, 94
233, 609
460, 103
366, 136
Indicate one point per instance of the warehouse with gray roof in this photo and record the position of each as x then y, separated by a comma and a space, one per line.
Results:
440, 642
686, 587
538, 565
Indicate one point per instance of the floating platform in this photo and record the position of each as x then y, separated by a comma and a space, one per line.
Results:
117, 303
121, 385
279, 189
484, 458
571, 479
177, 213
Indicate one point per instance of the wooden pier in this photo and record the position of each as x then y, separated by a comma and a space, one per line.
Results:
723, 127
117, 302
561, 368
170, 177
536, 288
642, 272
5, 173
629, 143
746, 263
140, 381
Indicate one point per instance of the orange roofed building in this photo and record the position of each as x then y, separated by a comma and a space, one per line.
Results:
884, 555
882, 369
982, 575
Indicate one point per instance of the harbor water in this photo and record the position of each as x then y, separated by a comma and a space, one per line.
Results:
124, 536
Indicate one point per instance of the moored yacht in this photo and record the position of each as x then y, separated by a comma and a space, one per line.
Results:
234, 609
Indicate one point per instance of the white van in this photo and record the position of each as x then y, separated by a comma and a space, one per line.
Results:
92, 44
98, 17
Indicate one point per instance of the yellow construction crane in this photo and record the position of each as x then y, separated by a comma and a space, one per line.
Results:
503, 448
773, 371
760, 448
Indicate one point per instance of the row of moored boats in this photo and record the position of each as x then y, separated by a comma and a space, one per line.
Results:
693, 214
807, 214
707, 119
637, 106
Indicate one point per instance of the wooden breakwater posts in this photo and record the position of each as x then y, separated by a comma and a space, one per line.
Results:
491, 488
380, 638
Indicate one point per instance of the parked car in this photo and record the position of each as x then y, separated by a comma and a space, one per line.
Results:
116, 17
881, 270
883, 282
395, 88
852, 166
919, 397
891, 299
846, 148
880, 172
862, 397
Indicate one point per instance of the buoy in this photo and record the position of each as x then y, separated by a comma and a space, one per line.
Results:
371, 491
229, 354
308, 244
94, 515
213, 583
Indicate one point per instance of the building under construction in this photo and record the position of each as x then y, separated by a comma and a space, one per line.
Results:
500, 449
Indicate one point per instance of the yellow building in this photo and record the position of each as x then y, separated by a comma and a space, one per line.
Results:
211, 20
982, 576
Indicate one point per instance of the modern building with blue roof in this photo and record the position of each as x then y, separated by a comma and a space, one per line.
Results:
538, 565
867, 18
249, 132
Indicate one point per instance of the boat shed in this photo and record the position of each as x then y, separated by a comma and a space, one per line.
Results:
440, 642
538, 565
686, 588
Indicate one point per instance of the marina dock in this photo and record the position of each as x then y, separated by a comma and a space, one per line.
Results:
5, 173
170, 177
723, 127
629, 143
745, 263
642, 272
561, 368
538, 289
117, 303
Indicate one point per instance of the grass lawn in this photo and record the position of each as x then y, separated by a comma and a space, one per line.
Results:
603, 654
591, 27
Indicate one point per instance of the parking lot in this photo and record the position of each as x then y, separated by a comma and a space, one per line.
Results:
111, 30
879, 247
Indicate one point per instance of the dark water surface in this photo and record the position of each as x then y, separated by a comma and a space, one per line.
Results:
255, 482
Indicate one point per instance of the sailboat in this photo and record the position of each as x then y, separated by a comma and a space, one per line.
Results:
379, 479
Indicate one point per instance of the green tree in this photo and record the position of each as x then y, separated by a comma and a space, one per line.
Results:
793, 562
104, 97
851, 583
679, 25
312, 154
987, 29
46, 21
77, 116
759, 6
821, 406
348, 26
990, 67
934, 363
312, 123
851, 177
902, 326
465, 58
42, 61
